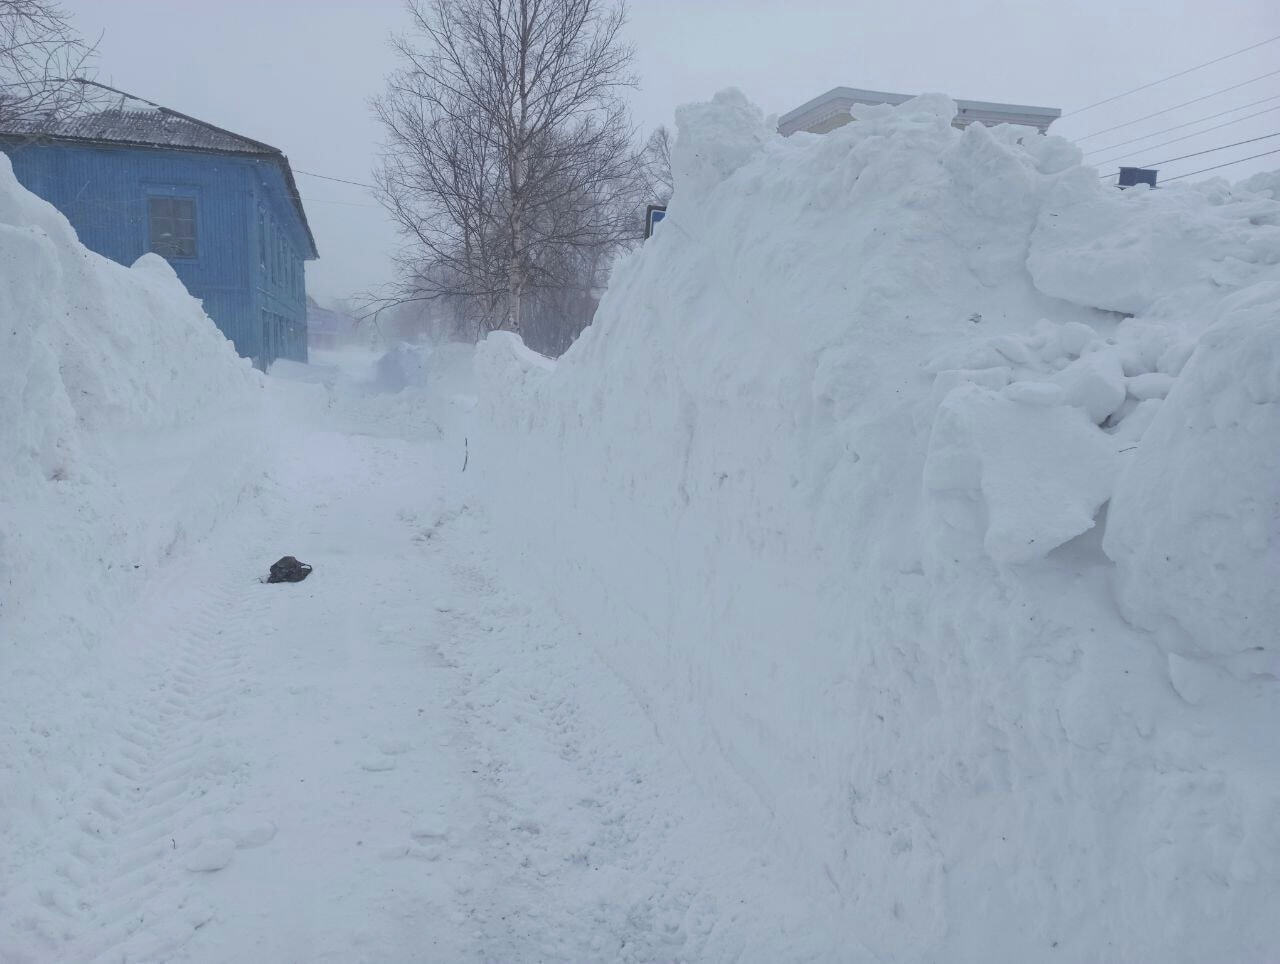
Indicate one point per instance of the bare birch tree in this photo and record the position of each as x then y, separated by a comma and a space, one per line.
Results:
41, 60
508, 147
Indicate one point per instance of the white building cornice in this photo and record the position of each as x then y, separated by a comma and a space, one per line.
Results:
833, 109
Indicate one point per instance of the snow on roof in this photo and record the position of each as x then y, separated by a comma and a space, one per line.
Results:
832, 109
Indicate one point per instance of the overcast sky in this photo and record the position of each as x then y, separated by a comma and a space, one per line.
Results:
298, 74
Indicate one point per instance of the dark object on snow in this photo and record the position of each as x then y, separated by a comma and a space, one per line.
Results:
1133, 176
289, 569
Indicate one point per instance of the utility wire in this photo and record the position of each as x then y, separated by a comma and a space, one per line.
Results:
1186, 103
1205, 170
340, 180
349, 204
1178, 127
1212, 150
1185, 137
1181, 73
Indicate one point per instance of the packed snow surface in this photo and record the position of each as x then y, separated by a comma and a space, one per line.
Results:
927, 492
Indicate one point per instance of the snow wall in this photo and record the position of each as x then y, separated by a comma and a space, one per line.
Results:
128, 424
927, 492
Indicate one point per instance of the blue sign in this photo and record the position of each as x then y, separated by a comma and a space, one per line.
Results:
652, 215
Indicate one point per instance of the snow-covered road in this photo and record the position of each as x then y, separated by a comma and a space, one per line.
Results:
404, 758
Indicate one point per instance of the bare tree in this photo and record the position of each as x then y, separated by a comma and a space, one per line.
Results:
656, 166
508, 147
41, 60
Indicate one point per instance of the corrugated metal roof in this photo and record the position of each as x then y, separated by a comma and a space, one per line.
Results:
147, 126
137, 122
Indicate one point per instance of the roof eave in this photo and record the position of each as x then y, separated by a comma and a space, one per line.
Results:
297, 200
44, 138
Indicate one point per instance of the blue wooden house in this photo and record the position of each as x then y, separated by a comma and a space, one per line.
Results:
133, 177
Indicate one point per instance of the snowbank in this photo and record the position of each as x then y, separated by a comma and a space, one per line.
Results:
127, 424
829, 482
96, 357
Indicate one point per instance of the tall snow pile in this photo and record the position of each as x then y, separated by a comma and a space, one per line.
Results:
127, 422
927, 491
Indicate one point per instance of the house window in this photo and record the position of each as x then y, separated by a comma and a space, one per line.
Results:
173, 226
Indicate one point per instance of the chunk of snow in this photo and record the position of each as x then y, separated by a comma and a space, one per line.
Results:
716, 139
992, 378
1073, 337
1094, 382
1041, 472
1149, 385
1045, 394
1130, 251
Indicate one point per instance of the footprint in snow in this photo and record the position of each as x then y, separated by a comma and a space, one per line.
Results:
376, 764
410, 852
429, 828
210, 856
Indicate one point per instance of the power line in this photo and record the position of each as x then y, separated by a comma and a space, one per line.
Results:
350, 204
1205, 170
1181, 73
1187, 103
1178, 127
1185, 137
340, 180
1212, 150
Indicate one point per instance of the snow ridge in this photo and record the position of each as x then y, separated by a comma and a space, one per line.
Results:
847, 480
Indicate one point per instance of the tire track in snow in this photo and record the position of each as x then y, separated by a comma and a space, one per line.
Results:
127, 887
596, 843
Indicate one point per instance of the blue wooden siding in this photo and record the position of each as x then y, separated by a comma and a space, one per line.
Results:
250, 242
279, 282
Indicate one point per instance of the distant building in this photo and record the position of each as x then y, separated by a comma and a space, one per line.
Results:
223, 209
833, 109
327, 328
